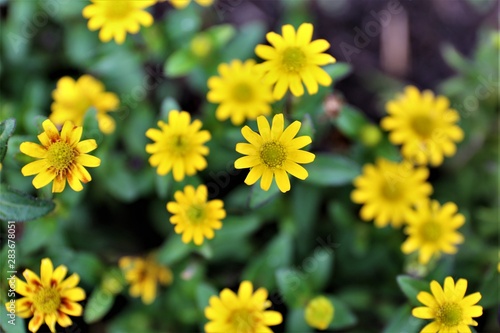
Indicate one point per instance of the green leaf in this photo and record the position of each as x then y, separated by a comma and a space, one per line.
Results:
343, 317
296, 323
242, 47
221, 34
167, 105
338, 70
180, 63
411, 287
7, 128
293, 286
490, 289
259, 197
163, 185
455, 59
11, 323
403, 321
350, 121
98, 305
332, 170
203, 294
20, 207
173, 250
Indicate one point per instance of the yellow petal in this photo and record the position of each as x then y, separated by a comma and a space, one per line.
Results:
73, 294
296, 86
44, 178
290, 132
50, 320
86, 146
433, 327
318, 46
59, 184
251, 136
35, 322
88, 160
35, 167
74, 182
70, 282
63, 320
278, 126
304, 34
51, 130
33, 149
422, 312
282, 180
264, 128
437, 291
295, 170
272, 318
246, 148
299, 142
254, 174
266, 52
288, 32
247, 162
46, 270
301, 156
245, 291
280, 88
267, 178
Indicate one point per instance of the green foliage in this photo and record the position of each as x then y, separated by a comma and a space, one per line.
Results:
17, 206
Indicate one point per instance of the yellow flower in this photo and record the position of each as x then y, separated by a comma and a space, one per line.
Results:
424, 125
72, 100
240, 91
180, 4
116, 18
143, 275
432, 229
61, 157
319, 313
244, 312
193, 216
293, 59
49, 298
388, 190
178, 146
451, 311
273, 153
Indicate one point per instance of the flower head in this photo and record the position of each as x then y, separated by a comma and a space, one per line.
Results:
195, 217
143, 275
62, 156
319, 313
116, 18
72, 100
431, 229
424, 125
178, 146
273, 152
448, 307
240, 91
49, 298
294, 59
388, 191
244, 312
181, 4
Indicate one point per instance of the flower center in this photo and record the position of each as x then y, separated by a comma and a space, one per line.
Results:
242, 92
273, 154
243, 321
449, 314
391, 190
195, 213
293, 59
60, 155
179, 144
47, 300
118, 9
431, 231
423, 125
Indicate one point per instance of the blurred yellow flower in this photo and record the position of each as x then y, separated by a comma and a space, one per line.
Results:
388, 191
244, 312
451, 311
143, 275
424, 125
179, 146
319, 313
116, 18
180, 4
294, 59
61, 157
72, 100
193, 216
49, 298
273, 152
431, 229
240, 91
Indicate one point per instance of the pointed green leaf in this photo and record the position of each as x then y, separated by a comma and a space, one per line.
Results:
180, 63
332, 170
343, 317
98, 305
7, 128
20, 207
403, 321
411, 287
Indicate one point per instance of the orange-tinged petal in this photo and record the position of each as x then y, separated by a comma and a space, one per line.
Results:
73, 294
35, 322
51, 130
71, 308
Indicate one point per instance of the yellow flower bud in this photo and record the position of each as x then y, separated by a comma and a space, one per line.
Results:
201, 46
319, 313
370, 135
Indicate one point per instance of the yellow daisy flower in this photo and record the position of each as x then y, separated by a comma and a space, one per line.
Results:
178, 146
61, 157
388, 191
319, 313
181, 4
240, 91
432, 229
72, 100
143, 275
293, 59
49, 298
451, 311
244, 312
273, 152
116, 18
424, 125
193, 216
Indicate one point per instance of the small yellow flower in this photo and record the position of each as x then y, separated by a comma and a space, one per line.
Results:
431, 229
244, 312
451, 311
273, 153
293, 59
240, 91
424, 125
193, 216
388, 191
179, 146
61, 157
49, 298
72, 100
319, 313
143, 275
116, 18
181, 4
